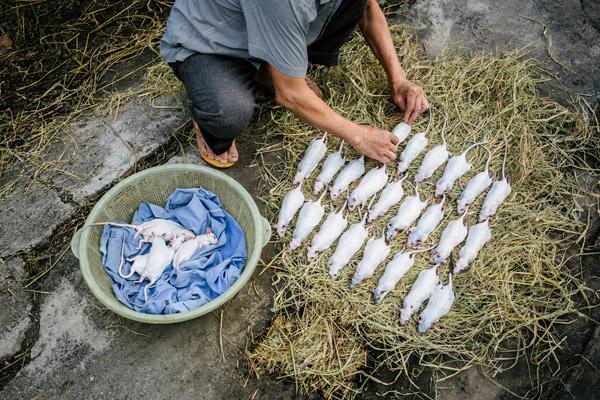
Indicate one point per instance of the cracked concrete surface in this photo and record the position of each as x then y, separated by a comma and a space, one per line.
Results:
80, 350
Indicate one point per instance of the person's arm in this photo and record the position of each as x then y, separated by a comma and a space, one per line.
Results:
408, 96
295, 95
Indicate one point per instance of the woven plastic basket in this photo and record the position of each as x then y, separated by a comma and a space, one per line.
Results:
154, 185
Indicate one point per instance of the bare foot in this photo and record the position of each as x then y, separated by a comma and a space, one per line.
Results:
231, 155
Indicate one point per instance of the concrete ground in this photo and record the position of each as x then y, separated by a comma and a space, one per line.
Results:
57, 342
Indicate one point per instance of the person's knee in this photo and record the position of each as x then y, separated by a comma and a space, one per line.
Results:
229, 119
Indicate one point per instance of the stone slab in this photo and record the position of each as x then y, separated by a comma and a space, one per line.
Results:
15, 318
99, 151
28, 216
490, 26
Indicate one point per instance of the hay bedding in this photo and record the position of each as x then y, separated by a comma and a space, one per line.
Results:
514, 292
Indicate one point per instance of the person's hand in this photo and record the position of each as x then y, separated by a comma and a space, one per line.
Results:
375, 143
410, 98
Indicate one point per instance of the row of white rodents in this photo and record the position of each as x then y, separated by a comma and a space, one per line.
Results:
377, 250
377, 179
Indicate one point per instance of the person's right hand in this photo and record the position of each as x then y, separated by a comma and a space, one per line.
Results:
375, 143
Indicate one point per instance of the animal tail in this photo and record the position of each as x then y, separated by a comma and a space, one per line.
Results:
422, 250
111, 223
504, 160
343, 207
444, 132
121, 263
321, 196
146, 291
487, 163
429, 122
475, 145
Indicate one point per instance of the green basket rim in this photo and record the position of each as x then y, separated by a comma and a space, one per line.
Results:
252, 259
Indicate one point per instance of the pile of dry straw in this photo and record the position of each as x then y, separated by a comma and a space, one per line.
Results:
514, 292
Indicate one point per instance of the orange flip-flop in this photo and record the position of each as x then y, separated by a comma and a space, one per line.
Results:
210, 161
216, 163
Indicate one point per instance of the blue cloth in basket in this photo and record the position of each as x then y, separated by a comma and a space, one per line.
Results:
209, 273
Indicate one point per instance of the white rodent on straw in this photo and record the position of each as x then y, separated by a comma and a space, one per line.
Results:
309, 217
376, 251
330, 230
351, 172
290, 205
332, 164
394, 271
452, 236
391, 195
457, 166
420, 291
408, 212
433, 159
475, 186
479, 234
430, 219
401, 131
438, 305
498, 192
349, 244
370, 184
312, 156
413, 148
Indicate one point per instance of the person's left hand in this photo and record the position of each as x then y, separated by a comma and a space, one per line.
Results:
410, 98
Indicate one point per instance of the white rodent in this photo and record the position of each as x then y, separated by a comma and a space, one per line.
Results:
331, 166
433, 159
138, 266
430, 219
391, 195
439, 304
475, 187
452, 236
457, 166
312, 156
408, 212
351, 172
330, 230
370, 184
413, 148
479, 234
401, 131
419, 292
394, 271
376, 251
309, 217
292, 202
157, 227
159, 258
187, 249
350, 242
497, 194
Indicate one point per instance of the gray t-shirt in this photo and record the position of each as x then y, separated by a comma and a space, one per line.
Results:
275, 31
